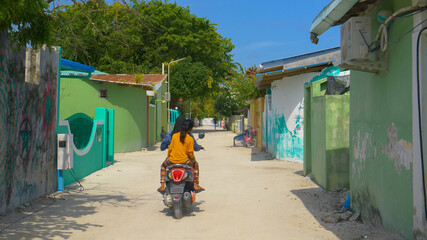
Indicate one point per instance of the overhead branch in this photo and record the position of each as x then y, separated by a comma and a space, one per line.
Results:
96, 28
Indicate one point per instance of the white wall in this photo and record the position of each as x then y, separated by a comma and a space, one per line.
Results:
286, 119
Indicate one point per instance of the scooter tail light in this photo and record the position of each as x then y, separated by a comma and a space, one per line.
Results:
177, 174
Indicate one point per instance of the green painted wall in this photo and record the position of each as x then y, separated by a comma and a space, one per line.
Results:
152, 125
129, 103
337, 111
318, 143
307, 131
381, 134
327, 138
161, 112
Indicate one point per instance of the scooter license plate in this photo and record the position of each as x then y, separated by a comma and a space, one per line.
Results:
177, 189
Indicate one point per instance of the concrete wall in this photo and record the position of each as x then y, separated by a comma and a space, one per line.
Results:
27, 125
283, 127
381, 135
337, 110
326, 133
129, 104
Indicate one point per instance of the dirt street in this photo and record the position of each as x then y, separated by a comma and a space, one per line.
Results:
246, 197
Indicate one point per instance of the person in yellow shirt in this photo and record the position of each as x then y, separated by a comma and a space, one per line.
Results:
181, 150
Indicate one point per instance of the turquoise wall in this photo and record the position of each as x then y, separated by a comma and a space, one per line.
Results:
94, 155
381, 134
129, 104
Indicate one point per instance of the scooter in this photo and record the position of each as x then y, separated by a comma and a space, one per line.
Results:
179, 192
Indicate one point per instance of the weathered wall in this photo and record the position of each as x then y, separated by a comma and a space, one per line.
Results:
337, 110
285, 118
326, 132
318, 141
27, 125
129, 103
381, 135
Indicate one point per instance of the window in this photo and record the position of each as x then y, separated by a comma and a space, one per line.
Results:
103, 93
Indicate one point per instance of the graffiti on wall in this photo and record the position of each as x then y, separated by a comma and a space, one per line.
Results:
285, 137
48, 109
27, 127
8, 119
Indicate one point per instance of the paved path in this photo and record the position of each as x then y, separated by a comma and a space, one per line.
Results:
247, 197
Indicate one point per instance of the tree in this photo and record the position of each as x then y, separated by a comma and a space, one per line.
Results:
241, 83
140, 37
189, 80
238, 89
226, 104
26, 21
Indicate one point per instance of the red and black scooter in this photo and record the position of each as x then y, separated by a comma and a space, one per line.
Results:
179, 192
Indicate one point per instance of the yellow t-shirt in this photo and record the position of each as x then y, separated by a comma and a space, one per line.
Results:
179, 151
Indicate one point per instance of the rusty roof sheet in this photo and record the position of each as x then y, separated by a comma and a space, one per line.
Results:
147, 81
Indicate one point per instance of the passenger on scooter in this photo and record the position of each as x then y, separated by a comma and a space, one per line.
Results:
168, 137
186, 126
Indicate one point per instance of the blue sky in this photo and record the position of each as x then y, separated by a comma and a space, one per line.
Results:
265, 30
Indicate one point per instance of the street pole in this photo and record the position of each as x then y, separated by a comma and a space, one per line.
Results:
169, 89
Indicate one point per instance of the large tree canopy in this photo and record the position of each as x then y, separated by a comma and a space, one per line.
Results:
140, 37
189, 80
26, 21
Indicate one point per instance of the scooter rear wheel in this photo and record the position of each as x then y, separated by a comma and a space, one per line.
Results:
177, 210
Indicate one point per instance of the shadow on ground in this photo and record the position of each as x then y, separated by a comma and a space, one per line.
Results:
56, 217
197, 131
189, 213
257, 155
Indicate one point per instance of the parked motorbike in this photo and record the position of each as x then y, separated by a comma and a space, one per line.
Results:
179, 193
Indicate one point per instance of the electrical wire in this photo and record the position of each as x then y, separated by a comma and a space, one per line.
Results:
382, 34
420, 117
75, 178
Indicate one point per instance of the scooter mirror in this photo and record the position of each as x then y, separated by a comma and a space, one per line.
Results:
201, 135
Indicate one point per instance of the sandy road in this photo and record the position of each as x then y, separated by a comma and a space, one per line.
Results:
247, 197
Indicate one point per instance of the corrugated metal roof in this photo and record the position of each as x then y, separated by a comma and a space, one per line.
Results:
299, 60
148, 80
305, 63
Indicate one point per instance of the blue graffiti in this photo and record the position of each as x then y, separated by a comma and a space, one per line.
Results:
282, 142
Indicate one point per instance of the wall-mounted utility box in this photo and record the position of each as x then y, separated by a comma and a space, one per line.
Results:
65, 151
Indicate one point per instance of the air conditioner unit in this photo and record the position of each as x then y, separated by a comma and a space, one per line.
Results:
355, 37
355, 41
65, 151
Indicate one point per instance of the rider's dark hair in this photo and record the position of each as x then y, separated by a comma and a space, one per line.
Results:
186, 128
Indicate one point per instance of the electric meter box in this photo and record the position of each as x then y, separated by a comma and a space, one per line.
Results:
167, 96
65, 151
355, 38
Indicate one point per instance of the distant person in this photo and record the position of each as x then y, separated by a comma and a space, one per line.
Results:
215, 121
196, 122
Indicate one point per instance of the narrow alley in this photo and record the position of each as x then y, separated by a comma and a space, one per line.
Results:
246, 197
